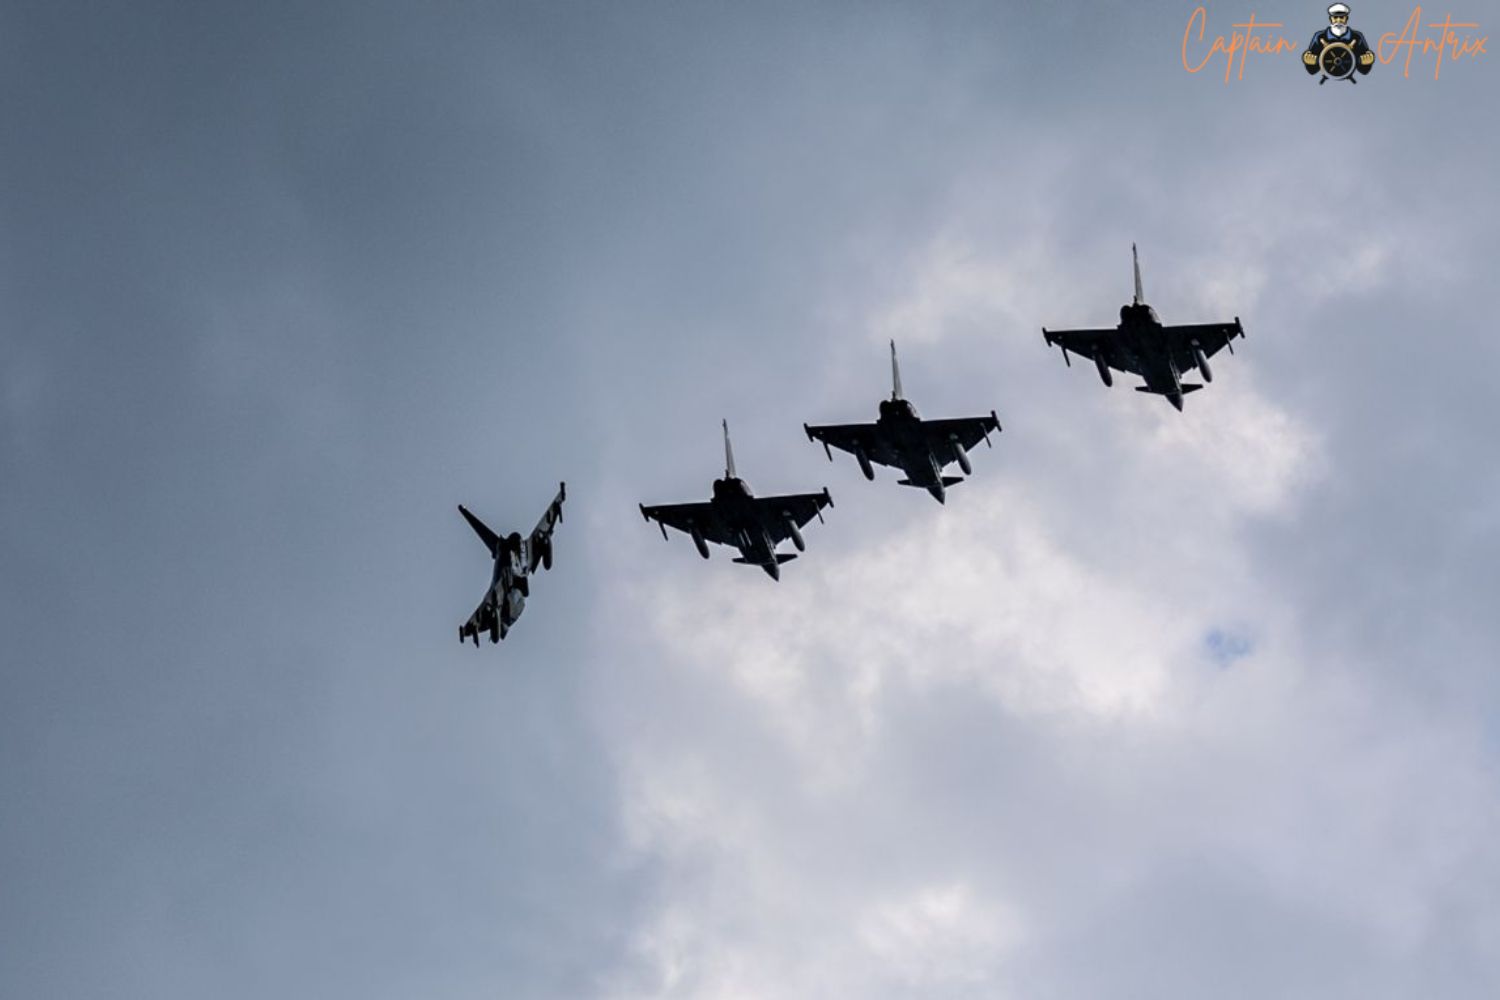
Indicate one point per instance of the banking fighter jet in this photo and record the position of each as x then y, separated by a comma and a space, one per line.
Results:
516, 558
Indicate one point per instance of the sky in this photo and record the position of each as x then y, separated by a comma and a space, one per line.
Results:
1157, 705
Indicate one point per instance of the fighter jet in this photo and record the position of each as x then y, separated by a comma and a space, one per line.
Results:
738, 518
1142, 345
903, 440
516, 558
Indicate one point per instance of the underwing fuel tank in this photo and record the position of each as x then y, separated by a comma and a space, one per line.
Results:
796, 533
700, 542
962, 455
1104, 373
864, 463
1208, 375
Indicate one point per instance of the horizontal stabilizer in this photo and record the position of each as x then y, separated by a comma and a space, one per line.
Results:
1186, 387
947, 481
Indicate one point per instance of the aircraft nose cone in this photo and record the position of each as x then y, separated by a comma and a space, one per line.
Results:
1176, 399
773, 570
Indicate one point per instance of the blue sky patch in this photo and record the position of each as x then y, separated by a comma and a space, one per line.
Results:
1226, 647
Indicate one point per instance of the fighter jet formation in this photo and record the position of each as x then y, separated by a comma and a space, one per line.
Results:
922, 450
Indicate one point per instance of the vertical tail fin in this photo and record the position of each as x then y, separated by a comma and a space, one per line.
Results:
1136, 260
728, 454
895, 374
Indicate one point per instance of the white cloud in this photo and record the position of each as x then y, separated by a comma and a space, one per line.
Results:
938, 937
1012, 709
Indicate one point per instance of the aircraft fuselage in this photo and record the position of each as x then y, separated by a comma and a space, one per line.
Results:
734, 504
901, 427
1145, 342
509, 587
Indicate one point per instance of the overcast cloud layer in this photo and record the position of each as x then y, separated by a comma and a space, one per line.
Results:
1158, 705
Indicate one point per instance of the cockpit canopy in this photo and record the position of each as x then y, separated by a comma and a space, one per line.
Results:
897, 409
730, 486
1138, 314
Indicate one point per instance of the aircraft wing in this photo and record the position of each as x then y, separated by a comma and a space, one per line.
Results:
1093, 344
856, 438
795, 508
482, 620
685, 517
541, 535
1211, 337
967, 431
